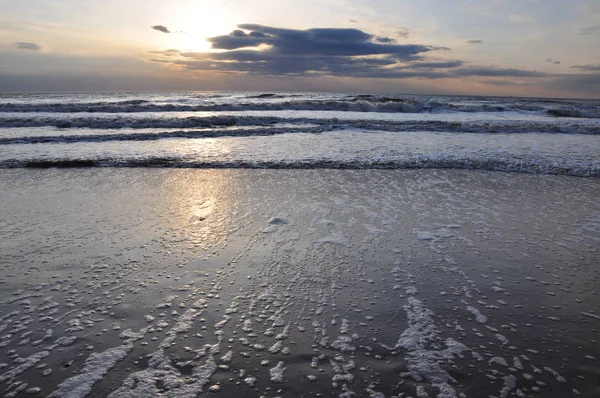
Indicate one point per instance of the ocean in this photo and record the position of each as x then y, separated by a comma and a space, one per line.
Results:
300, 130
298, 245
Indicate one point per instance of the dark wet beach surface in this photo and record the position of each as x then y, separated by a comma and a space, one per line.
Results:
370, 272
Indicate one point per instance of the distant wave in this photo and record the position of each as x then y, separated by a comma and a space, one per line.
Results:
400, 106
570, 112
418, 163
310, 130
360, 103
467, 126
116, 122
142, 136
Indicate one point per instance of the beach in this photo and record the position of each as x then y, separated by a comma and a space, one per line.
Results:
129, 282
339, 199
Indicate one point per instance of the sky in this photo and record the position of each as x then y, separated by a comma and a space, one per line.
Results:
547, 48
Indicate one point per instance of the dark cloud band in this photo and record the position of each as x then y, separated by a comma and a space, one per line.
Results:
161, 28
21, 45
587, 67
329, 42
266, 50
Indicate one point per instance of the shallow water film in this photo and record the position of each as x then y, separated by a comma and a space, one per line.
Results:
298, 283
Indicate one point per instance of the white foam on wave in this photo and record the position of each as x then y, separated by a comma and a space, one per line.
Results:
341, 148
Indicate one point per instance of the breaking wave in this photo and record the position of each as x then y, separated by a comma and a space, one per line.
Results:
465, 126
272, 102
305, 131
503, 165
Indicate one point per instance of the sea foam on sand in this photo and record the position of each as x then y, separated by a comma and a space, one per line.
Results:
138, 282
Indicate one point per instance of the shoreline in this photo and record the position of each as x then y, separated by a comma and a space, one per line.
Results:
370, 271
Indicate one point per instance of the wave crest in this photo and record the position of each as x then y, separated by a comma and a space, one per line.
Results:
275, 102
466, 126
419, 163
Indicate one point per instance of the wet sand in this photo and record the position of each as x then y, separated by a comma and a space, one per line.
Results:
295, 283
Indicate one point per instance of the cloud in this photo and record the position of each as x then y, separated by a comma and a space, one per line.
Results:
551, 61
387, 40
587, 67
21, 45
352, 21
501, 82
270, 51
403, 32
10, 27
397, 30
314, 42
166, 53
441, 65
474, 41
161, 28
591, 79
498, 72
587, 84
264, 50
249, 61
590, 30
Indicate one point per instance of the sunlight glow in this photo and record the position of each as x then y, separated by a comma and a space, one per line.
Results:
196, 21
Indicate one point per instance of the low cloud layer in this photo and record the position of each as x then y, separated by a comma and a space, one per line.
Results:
161, 28
21, 45
587, 67
403, 32
498, 72
254, 57
590, 30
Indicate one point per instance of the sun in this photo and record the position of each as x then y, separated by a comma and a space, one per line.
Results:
195, 21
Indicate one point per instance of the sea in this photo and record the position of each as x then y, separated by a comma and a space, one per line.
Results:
300, 130
291, 245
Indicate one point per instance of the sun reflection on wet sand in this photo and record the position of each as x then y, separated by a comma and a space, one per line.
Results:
203, 204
